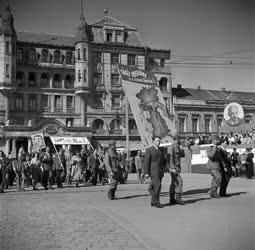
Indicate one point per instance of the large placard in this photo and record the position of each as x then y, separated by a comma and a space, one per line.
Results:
147, 104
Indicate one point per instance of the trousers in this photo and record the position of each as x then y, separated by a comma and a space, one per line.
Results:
154, 189
176, 184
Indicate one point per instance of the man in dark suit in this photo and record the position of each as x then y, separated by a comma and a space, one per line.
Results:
226, 170
176, 152
153, 168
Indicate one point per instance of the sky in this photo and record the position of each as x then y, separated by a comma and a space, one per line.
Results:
212, 42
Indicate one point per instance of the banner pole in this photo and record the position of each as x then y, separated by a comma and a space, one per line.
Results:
127, 127
57, 154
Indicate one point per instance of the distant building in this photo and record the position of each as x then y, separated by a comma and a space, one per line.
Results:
69, 84
200, 111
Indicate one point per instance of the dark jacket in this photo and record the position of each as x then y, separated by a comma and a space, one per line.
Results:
153, 162
226, 162
215, 159
111, 161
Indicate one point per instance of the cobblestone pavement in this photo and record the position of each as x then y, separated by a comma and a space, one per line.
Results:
59, 220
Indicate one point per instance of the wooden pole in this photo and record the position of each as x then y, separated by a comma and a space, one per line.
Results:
127, 127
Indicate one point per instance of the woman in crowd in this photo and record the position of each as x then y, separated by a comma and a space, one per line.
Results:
76, 162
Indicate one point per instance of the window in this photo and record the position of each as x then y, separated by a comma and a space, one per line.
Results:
57, 103
115, 101
162, 62
182, 124
84, 54
19, 103
19, 55
85, 76
97, 79
7, 70
208, 125
45, 55
57, 56
32, 102
131, 60
20, 78
163, 84
97, 57
114, 58
79, 54
195, 124
109, 36
57, 81
70, 102
7, 48
44, 81
132, 124
69, 122
79, 75
119, 37
69, 57
68, 82
248, 119
219, 121
31, 79
32, 55
115, 79
45, 101
115, 124
98, 124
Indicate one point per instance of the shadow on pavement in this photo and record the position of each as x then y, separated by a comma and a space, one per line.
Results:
234, 194
132, 196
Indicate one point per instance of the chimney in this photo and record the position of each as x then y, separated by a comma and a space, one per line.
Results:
198, 87
179, 86
222, 89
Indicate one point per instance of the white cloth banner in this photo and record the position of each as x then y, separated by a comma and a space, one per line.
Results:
69, 140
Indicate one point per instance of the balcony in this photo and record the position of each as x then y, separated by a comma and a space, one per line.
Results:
116, 87
158, 69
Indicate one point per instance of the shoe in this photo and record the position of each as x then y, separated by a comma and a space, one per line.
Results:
2, 191
158, 205
179, 202
214, 196
172, 202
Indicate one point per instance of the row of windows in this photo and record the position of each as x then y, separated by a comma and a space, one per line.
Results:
58, 57
45, 104
46, 57
195, 123
115, 124
44, 80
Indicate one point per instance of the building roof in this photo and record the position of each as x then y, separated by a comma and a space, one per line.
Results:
214, 95
132, 38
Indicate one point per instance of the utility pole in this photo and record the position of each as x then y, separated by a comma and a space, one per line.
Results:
127, 127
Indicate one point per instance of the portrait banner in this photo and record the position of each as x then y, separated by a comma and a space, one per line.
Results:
147, 104
233, 114
38, 142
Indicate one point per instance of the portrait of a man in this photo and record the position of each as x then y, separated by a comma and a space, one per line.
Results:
233, 114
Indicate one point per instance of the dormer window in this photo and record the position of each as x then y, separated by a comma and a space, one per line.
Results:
109, 36
119, 37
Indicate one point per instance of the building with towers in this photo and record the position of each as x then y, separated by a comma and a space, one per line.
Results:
70, 84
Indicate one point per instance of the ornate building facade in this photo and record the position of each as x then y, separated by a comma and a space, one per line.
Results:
71, 83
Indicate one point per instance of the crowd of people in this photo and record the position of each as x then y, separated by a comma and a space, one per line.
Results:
50, 168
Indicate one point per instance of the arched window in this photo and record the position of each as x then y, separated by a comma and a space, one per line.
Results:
44, 81
98, 124
45, 55
57, 81
115, 124
32, 55
163, 84
68, 82
69, 57
31, 79
57, 56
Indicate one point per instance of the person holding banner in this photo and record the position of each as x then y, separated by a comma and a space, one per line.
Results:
112, 165
68, 157
176, 152
76, 162
36, 170
154, 168
59, 166
46, 168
